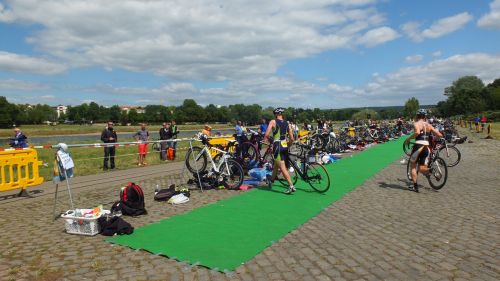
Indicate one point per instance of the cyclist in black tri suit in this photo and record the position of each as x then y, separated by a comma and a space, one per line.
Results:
420, 153
276, 132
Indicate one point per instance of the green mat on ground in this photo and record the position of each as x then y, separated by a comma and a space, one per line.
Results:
230, 232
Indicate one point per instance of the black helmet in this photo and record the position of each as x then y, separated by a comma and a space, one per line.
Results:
278, 110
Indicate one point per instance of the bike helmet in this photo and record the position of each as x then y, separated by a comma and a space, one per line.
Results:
278, 110
422, 113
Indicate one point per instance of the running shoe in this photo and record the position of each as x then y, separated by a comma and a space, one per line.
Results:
290, 190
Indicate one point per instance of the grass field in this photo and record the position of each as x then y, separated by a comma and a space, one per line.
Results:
64, 129
495, 132
89, 161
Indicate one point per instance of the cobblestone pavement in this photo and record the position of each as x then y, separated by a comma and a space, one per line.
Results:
380, 231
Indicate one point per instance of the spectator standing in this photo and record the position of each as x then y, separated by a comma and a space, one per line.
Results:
484, 120
143, 136
165, 134
207, 130
263, 127
174, 131
108, 135
19, 140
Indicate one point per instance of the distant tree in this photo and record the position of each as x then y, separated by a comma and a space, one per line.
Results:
411, 107
365, 114
93, 112
465, 95
191, 111
491, 95
133, 116
6, 110
115, 113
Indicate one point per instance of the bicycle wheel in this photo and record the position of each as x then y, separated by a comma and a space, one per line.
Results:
249, 152
438, 173
196, 160
317, 142
232, 174
317, 177
408, 170
452, 155
294, 176
407, 147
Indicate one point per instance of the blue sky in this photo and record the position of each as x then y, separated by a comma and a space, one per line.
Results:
304, 53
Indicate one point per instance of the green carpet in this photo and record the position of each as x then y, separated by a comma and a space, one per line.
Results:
224, 235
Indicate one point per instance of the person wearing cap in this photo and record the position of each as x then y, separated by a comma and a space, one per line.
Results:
277, 132
108, 136
207, 131
19, 140
420, 152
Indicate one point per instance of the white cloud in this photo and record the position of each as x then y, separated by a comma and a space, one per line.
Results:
11, 62
338, 88
427, 82
437, 54
19, 85
378, 36
196, 40
492, 19
438, 28
414, 58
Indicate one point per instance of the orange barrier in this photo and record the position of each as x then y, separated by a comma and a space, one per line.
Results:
19, 169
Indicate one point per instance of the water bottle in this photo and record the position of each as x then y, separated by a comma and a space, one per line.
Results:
157, 188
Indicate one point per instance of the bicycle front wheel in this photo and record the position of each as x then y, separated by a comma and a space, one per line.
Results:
232, 174
317, 177
196, 160
452, 155
438, 174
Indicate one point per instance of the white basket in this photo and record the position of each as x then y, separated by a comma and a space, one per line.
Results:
82, 225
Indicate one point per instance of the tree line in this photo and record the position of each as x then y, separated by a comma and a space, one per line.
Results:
467, 95
189, 112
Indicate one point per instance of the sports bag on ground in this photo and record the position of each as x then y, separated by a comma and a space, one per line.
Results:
131, 201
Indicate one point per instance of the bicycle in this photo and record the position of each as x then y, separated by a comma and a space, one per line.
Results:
227, 171
438, 170
312, 173
451, 153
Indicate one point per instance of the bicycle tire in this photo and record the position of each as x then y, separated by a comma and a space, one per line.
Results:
438, 166
408, 171
193, 165
452, 157
234, 178
317, 177
294, 176
407, 147
317, 142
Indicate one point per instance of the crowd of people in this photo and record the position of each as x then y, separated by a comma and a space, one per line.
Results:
168, 132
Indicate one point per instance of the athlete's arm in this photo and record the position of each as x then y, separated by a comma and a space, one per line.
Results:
416, 129
435, 131
272, 123
290, 134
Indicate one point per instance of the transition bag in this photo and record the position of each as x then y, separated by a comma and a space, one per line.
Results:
131, 201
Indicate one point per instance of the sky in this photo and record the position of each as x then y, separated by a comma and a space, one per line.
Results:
300, 53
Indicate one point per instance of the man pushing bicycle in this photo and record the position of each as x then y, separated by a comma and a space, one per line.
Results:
420, 153
279, 128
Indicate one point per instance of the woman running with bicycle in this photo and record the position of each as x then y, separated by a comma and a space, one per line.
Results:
279, 129
421, 133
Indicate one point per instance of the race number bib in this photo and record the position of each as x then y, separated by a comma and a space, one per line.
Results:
284, 143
